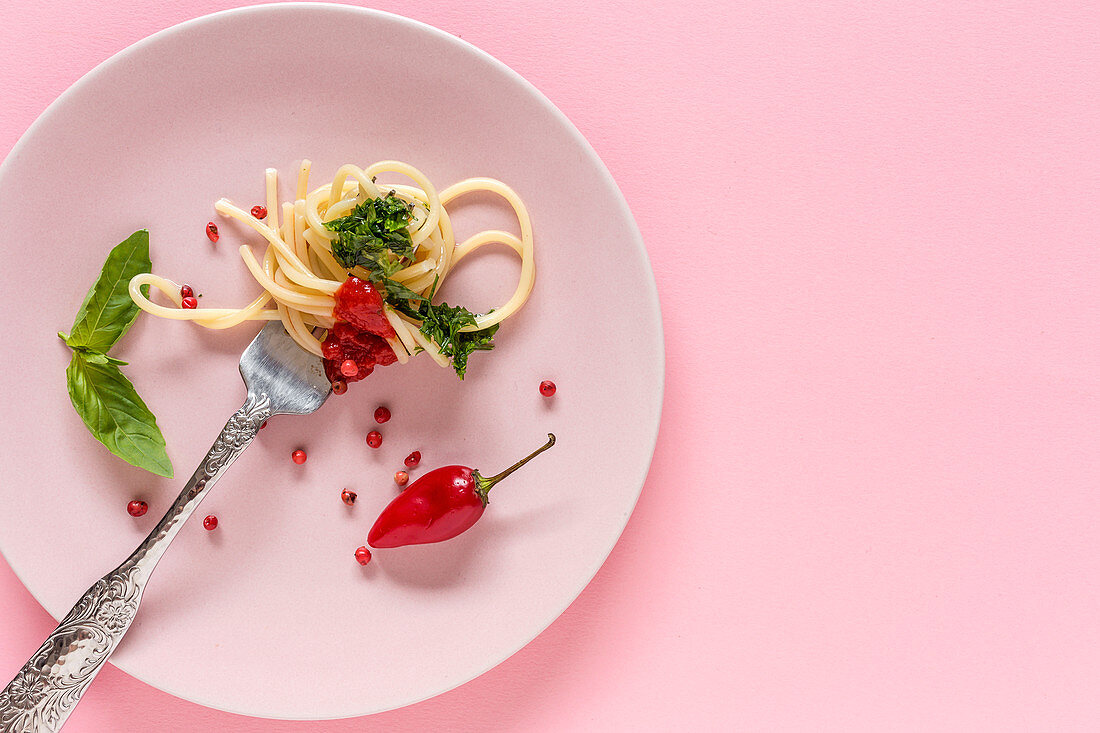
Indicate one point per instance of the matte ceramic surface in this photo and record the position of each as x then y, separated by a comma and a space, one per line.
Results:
270, 614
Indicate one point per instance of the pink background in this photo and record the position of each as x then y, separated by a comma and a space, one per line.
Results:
873, 503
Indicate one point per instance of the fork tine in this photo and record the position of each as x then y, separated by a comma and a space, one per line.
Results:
292, 378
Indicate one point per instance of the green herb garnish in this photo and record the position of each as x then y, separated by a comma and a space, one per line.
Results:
375, 236
442, 324
102, 396
395, 293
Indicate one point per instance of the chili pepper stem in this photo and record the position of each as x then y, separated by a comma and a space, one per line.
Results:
484, 484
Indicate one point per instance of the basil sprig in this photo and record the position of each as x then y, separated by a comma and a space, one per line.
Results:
103, 397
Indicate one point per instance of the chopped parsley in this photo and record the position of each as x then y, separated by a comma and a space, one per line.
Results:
442, 324
375, 236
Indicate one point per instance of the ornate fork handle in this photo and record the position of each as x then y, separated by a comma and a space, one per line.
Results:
51, 683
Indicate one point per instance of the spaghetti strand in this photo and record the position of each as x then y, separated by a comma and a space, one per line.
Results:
299, 274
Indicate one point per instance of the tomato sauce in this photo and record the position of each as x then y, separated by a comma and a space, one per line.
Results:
360, 332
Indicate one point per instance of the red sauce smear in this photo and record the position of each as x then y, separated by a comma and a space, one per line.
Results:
360, 332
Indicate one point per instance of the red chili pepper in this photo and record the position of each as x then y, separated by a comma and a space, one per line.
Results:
439, 505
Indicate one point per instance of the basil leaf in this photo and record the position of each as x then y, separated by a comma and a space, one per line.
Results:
116, 415
108, 310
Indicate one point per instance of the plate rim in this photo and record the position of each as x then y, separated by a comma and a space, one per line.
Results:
635, 236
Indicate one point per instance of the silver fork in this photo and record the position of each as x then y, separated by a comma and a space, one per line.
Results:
281, 378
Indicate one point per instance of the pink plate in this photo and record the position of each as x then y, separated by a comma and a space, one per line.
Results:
270, 614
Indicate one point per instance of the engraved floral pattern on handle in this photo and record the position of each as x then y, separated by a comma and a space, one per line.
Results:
50, 684
48, 687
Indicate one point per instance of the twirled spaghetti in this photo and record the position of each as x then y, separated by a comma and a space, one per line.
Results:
300, 274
